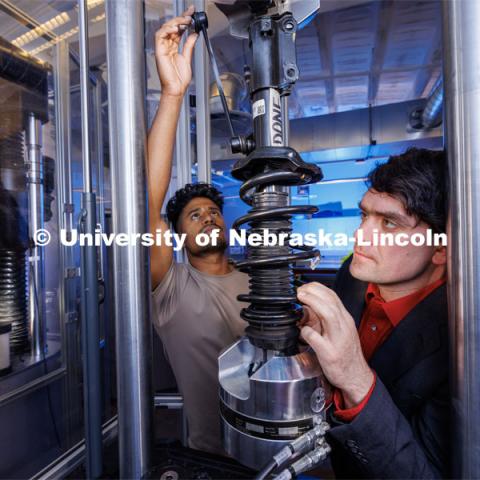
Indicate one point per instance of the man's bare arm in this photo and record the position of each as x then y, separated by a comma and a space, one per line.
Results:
174, 69
161, 139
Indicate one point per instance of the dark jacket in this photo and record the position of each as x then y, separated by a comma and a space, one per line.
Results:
403, 431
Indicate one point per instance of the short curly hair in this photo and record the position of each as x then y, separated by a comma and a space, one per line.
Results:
190, 191
418, 178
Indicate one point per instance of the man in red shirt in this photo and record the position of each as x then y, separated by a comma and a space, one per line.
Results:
381, 336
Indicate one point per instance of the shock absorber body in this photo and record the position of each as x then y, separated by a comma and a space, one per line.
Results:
271, 389
267, 172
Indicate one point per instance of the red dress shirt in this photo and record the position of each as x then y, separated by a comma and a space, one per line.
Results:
378, 321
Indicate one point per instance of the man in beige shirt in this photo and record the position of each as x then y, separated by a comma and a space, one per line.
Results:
196, 311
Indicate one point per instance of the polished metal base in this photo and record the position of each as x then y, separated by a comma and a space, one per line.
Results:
249, 451
267, 400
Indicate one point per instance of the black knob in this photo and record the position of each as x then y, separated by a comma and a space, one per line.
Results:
200, 21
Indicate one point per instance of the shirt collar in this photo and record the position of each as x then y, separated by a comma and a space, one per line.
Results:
397, 310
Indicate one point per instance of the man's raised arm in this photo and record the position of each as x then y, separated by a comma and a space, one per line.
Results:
174, 70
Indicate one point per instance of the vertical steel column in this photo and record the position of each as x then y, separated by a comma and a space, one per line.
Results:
202, 92
105, 322
89, 305
97, 102
62, 132
63, 186
127, 119
183, 147
36, 273
462, 102
183, 153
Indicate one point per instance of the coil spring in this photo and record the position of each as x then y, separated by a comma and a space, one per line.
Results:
13, 238
13, 297
11, 148
273, 311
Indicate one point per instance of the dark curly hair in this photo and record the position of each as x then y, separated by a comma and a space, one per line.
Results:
190, 191
418, 178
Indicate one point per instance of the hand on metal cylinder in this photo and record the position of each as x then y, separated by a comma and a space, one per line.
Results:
330, 330
174, 67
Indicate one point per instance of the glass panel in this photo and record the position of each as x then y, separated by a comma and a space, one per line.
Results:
30, 274
41, 397
27, 147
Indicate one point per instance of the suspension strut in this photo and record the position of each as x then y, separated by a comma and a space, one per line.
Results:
267, 170
272, 390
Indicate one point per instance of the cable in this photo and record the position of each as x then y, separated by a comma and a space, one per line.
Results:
44, 360
267, 470
304, 443
307, 462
